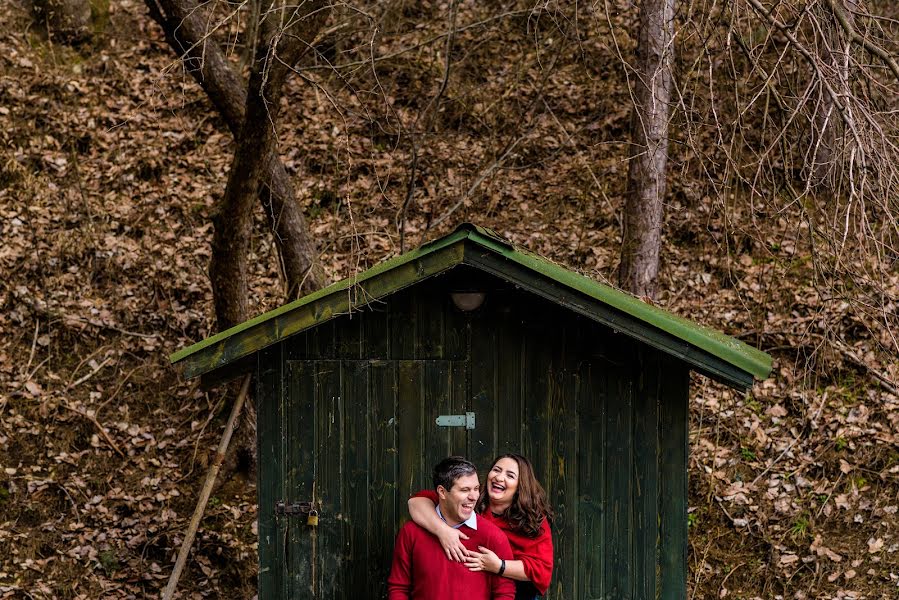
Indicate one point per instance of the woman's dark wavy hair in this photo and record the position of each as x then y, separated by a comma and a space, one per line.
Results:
529, 506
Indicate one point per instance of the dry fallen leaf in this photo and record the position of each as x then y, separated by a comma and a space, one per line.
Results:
821, 550
788, 559
875, 545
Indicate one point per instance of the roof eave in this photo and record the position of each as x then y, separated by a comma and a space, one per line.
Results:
238, 342
505, 266
709, 352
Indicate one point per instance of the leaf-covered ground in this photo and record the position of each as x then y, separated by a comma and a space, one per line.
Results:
111, 162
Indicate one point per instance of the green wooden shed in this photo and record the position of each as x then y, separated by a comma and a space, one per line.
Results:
469, 345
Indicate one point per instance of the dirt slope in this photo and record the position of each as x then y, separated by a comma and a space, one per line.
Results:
111, 161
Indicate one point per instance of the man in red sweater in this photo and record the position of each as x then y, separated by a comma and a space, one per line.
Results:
420, 569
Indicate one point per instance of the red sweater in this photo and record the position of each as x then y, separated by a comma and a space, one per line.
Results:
421, 571
536, 554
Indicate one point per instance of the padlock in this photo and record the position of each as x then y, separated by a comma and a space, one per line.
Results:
312, 519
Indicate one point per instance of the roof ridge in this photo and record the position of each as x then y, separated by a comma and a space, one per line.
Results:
540, 273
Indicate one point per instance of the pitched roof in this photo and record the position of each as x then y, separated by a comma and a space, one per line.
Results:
709, 351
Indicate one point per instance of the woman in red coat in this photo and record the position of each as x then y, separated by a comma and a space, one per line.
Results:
514, 501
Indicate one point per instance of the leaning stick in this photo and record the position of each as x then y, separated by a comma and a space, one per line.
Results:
207, 490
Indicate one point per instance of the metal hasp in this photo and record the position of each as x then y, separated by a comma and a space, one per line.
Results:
466, 420
292, 509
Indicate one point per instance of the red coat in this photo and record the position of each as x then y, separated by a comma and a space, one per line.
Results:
536, 554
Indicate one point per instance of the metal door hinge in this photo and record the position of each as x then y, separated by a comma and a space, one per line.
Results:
292, 509
466, 420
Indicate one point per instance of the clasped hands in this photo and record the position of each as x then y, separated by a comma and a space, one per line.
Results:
484, 560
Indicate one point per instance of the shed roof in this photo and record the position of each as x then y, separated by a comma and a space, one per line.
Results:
709, 351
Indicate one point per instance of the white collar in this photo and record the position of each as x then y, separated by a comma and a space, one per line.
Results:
472, 521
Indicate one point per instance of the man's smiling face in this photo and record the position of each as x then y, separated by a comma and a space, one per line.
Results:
458, 503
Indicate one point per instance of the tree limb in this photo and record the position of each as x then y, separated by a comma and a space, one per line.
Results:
435, 104
285, 35
187, 34
802, 50
211, 476
864, 42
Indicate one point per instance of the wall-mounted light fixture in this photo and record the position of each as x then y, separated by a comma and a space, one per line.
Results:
468, 301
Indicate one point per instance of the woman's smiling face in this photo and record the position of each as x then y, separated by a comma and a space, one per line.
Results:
502, 481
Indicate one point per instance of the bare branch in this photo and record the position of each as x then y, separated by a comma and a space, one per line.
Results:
864, 42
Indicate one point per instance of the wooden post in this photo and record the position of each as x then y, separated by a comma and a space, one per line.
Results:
206, 491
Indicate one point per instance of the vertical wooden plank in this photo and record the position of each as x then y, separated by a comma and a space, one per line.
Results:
401, 326
591, 549
375, 338
483, 403
456, 327
300, 462
673, 451
509, 374
459, 393
382, 500
646, 475
271, 480
428, 306
322, 344
357, 475
540, 354
562, 479
529, 384
410, 449
619, 479
435, 399
328, 537
348, 336
296, 347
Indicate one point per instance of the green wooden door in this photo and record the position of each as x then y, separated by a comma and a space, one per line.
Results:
360, 436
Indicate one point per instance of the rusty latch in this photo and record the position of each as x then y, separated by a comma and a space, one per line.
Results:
292, 509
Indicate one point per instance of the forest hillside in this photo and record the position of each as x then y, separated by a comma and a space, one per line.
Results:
408, 119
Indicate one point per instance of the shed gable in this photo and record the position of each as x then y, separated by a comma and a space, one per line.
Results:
226, 355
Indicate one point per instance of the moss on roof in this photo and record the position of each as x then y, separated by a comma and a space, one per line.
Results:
437, 256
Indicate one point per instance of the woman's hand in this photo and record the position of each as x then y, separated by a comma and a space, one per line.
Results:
485, 560
451, 541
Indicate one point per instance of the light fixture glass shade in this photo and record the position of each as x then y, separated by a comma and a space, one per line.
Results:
468, 301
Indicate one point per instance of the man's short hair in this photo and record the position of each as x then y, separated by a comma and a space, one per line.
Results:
450, 469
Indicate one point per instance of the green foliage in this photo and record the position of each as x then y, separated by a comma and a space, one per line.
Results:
892, 458
841, 444
99, 16
322, 202
109, 562
849, 388
747, 454
692, 520
800, 527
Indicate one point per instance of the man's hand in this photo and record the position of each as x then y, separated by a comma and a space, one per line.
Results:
451, 541
485, 560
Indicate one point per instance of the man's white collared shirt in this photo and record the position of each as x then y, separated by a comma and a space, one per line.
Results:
472, 521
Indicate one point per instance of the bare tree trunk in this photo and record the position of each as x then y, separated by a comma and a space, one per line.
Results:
185, 29
286, 32
68, 21
646, 177
830, 140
